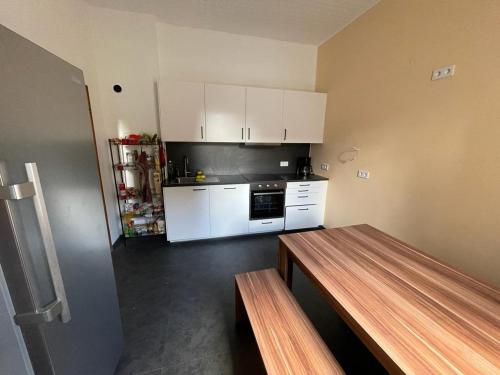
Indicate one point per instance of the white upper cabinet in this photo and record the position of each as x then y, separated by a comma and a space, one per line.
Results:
182, 112
264, 118
198, 112
225, 113
304, 116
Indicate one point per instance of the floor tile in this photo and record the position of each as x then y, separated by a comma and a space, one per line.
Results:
177, 307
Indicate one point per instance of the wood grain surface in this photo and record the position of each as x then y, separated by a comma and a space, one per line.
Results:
287, 340
416, 314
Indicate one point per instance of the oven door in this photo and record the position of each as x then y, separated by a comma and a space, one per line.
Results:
267, 204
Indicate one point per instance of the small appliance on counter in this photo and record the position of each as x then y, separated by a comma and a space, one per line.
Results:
304, 167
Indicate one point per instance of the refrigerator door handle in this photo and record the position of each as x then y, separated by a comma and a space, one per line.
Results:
18, 191
33, 189
48, 240
42, 315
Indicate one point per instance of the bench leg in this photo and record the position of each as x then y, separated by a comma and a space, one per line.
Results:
240, 312
285, 264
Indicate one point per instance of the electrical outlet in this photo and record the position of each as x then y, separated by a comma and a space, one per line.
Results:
325, 166
445, 72
284, 163
363, 174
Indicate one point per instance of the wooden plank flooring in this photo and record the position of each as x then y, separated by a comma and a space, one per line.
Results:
418, 315
288, 342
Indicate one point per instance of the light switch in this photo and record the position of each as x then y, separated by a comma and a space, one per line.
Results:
363, 174
443, 72
284, 163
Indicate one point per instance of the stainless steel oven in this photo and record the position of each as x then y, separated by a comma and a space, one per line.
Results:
267, 200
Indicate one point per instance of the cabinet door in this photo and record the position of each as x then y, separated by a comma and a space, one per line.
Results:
304, 116
225, 111
187, 212
229, 209
299, 217
266, 225
182, 112
264, 116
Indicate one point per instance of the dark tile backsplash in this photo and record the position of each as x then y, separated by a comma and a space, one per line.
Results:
231, 158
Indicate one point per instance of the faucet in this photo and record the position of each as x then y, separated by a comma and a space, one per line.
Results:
186, 166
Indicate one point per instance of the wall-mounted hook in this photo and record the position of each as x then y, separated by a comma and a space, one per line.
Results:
349, 155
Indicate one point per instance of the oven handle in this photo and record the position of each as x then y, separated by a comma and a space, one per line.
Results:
270, 193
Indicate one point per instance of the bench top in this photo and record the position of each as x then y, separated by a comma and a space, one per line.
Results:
287, 340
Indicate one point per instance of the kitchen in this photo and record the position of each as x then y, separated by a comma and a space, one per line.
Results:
251, 190
222, 187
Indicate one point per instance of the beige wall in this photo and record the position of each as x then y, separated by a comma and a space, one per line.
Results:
432, 148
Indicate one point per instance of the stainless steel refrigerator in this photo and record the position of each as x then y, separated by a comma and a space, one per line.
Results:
54, 252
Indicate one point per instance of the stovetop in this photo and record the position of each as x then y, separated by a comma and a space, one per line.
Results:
262, 177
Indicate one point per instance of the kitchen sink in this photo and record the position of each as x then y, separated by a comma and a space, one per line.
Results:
192, 180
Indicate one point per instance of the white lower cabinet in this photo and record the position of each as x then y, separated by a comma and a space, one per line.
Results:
295, 199
298, 217
229, 210
196, 212
305, 204
187, 212
266, 225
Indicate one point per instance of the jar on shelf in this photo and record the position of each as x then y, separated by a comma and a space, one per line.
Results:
122, 191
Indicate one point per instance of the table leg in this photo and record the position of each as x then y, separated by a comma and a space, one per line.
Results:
285, 264
240, 312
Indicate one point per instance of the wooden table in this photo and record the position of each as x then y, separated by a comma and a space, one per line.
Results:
416, 314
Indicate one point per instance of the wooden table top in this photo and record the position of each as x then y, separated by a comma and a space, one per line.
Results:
420, 315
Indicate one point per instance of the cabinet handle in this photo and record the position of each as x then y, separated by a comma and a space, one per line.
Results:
199, 189
303, 209
242, 133
201, 127
305, 185
303, 191
267, 222
248, 133
303, 196
285, 136
231, 188
269, 193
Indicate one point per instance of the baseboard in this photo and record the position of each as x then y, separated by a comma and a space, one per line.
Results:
117, 242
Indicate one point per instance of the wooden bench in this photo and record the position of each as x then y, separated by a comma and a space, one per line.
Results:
287, 340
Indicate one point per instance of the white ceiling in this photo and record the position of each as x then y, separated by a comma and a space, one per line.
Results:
301, 21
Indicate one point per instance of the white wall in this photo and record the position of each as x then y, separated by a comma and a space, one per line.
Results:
59, 26
134, 50
205, 55
62, 27
125, 52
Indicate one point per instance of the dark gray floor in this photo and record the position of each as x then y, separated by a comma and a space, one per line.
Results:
177, 304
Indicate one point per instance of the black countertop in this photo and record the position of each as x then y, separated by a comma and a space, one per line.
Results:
295, 178
239, 179
223, 180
